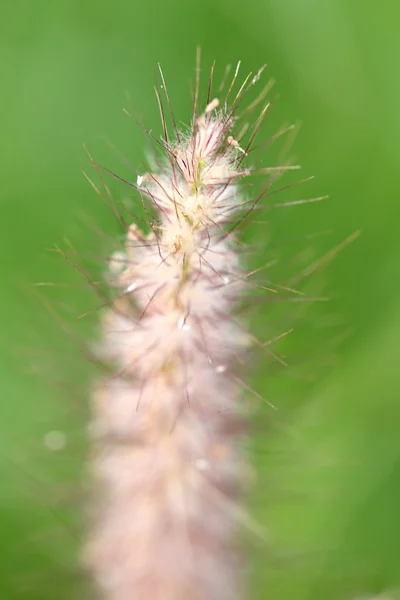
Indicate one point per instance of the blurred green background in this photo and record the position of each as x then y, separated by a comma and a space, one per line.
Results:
329, 467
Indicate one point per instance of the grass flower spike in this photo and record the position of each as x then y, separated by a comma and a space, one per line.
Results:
167, 424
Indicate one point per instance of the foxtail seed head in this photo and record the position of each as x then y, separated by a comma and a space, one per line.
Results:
167, 423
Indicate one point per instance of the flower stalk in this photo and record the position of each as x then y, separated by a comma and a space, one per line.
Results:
167, 425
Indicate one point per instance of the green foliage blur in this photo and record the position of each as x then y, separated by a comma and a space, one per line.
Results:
328, 489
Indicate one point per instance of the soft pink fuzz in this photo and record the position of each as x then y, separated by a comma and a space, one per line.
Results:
167, 424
